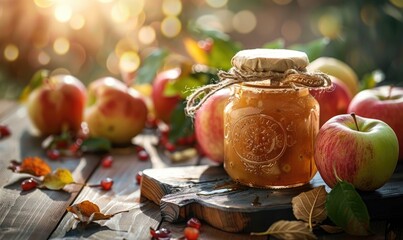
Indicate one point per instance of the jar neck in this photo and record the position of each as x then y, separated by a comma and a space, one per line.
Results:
265, 89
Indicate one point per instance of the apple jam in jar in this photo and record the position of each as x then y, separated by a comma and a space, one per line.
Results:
270, 124
269, 136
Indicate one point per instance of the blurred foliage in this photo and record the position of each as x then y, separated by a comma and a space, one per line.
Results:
372, 38
367, 35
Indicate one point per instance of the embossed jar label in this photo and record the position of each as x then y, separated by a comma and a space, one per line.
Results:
259, 140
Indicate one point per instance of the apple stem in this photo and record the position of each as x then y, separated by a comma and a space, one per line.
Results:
49, 83
355, 121
390, 92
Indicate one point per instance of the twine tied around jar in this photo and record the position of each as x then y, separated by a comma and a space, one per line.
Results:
291, 78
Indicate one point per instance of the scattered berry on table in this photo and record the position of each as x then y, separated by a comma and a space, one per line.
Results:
29, 184
191, 233
4, 131
160, 234
139, 177
107, 161
53, 154
106, 184
143, 155
194, 223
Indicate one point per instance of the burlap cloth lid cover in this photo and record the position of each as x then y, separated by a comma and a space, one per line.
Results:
266, 60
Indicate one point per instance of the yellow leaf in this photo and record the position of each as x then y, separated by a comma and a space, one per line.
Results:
58, 179
193, 49
310, 206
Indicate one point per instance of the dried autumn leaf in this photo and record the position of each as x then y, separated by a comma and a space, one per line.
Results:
31, 165
87, 212
310, 206
58, 179
288, 230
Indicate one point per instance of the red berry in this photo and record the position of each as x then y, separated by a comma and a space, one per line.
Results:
143, 155
61, 144
138, 148
181, 141
107, 161
29, 184
106, 184
151, 123
194, 223
169, 146
76, 146
139, 176
162, 233
53, 154
191, 233
206, 44
191, 139
4, 131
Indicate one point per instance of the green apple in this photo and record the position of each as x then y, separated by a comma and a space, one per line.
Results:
361, 151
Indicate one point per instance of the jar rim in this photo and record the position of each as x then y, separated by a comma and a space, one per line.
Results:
268, 86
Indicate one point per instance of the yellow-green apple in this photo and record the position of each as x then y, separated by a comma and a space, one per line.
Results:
209, 125
164, 105
57, 105
114, 111
338, 69
332, 102
384, 103
361, 151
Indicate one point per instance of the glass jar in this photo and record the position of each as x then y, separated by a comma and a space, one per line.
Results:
269, 135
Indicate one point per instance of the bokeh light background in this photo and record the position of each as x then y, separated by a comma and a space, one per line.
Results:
95, 38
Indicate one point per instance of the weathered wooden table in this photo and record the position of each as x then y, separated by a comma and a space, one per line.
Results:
41, 214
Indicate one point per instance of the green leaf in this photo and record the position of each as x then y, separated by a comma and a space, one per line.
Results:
181, 125
276, 44
222, 52
371, 80
224, 48
185, 85
313, 49
151, 64
96, 144
182, 86
36, 81
347, 210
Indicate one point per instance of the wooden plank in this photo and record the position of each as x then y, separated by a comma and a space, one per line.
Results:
7, 106
208, 232
33, 214
209, 194
124, 195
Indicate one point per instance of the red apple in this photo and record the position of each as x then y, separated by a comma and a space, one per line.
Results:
332, 102
57, 105
384, 103
164, 105
361, 151
209, 125
115, 111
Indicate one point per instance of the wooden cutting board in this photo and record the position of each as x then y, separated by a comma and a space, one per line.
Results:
208, 193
